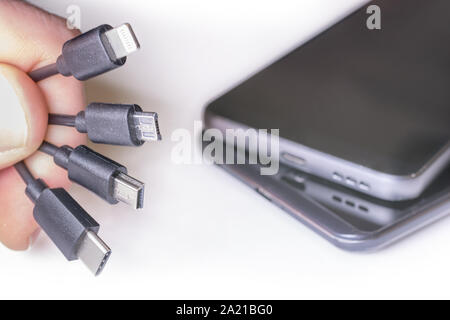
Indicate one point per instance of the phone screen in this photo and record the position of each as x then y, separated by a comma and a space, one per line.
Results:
379, 98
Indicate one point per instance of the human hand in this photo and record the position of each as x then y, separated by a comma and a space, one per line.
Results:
30, 38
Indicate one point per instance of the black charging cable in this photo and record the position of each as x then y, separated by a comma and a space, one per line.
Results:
117, 124
97, 173
92, 53
66, 223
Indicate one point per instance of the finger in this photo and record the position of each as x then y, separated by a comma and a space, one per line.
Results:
23, 115
30, 45
35, 44
16, 219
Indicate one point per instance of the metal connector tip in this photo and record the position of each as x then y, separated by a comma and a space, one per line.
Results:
129, 190
147, 126
123, 41
94, 252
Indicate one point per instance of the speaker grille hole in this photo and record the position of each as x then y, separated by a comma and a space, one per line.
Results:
362, 208
350, 203
337, 199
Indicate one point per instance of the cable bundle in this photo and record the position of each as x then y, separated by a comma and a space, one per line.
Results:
68, 225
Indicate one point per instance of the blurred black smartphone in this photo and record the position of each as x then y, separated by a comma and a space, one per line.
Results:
368, 109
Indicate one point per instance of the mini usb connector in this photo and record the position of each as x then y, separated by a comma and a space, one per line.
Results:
101, 175
129, 190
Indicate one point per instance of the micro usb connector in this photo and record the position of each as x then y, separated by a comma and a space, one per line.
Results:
146, 126
115, 124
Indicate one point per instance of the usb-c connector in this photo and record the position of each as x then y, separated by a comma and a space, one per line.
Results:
66, 223
93, 252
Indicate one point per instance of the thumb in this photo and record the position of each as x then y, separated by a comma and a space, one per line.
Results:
23, 116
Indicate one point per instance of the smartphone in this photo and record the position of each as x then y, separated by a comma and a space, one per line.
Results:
365, 108
350, 220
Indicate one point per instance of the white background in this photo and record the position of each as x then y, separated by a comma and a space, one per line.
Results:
203, 234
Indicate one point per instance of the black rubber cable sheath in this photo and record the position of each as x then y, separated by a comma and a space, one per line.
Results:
44, 72
48, 148
61, 120
24, 172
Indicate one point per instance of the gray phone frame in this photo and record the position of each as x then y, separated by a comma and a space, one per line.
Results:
381, 185
332, 226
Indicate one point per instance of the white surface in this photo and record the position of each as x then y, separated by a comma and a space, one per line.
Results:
203, 234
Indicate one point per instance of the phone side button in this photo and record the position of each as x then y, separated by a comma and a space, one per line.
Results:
364, 186
350, 181
294, 159
337, 177
264, 193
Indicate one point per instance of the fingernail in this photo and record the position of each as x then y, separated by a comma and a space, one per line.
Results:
13, 121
